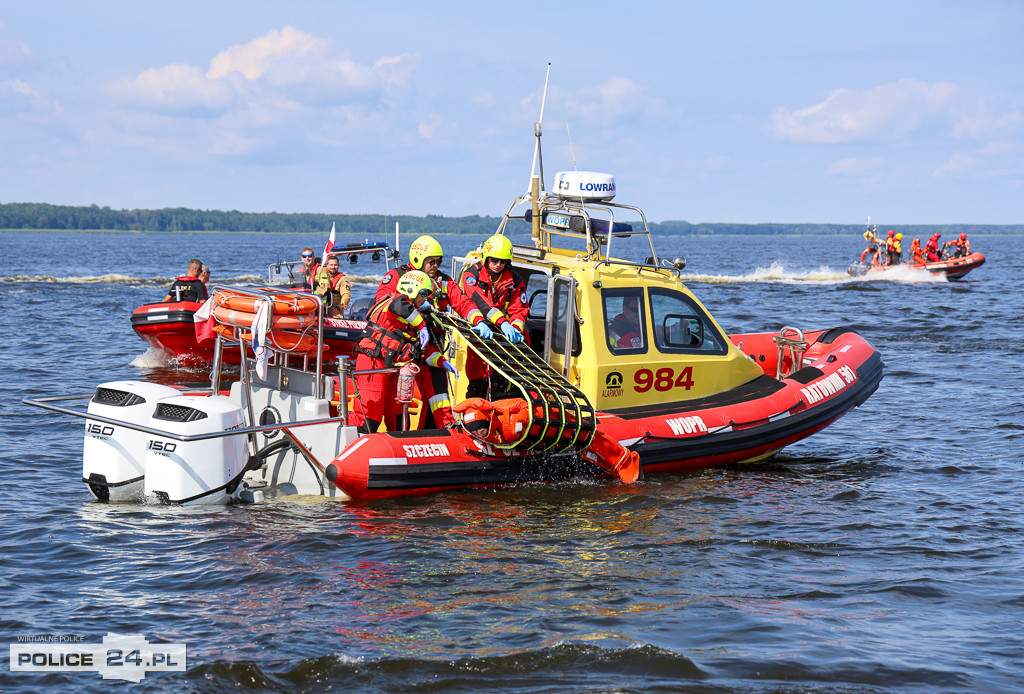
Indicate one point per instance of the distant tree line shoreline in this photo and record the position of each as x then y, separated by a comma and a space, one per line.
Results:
26, 215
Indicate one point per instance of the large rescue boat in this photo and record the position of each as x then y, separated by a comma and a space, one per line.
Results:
625, 373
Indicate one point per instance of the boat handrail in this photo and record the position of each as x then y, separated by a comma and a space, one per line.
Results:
344, 371
790, 342
547, 202
260, 292
44, 404
642, 266
377, 251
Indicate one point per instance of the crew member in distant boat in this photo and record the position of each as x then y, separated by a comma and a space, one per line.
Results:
931, 248
890, 241
500, 295
916, 254
896, 257
959, 247
396, 334
426, 255
870, 254
188, 287
625, 329
310, 265
332, 287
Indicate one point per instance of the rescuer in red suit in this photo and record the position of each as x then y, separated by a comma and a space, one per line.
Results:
396, 334
426, 255
500, 295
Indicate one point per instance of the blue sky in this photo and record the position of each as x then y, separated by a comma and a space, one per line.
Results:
907, 111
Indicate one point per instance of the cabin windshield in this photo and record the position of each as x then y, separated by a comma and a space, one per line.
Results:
682, 326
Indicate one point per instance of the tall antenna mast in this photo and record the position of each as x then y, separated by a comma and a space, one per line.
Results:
537, 130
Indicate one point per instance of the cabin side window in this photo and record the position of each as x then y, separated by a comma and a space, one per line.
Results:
681, 326
537, 298
624, 320
563, 305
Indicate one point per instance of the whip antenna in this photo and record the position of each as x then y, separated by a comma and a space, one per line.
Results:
537, 156
572, 152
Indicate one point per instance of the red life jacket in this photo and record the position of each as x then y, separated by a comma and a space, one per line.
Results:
188, 288
388, 336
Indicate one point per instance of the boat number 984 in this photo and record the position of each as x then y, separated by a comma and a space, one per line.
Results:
662, 379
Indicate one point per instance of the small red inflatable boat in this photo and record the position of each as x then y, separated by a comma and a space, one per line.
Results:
170, 328
952, 268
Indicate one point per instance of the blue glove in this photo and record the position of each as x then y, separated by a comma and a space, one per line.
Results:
483, 330
424, 336
450, 368
513, 335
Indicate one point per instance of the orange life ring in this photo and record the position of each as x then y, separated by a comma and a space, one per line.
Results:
873, 251
244, 319
285, 304
278, 340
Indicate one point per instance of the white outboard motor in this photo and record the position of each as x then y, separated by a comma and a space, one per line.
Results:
195, 472
113, 460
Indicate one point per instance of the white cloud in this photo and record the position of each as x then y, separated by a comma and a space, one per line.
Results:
13, 53
396, 70
253, 59
986, 123
175, 88
282, 71
436, 128
609, 102
18, 98
884, 113
958, 163
857, 167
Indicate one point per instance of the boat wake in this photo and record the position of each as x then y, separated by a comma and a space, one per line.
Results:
114, 278
128, 280
777, 272
904, 273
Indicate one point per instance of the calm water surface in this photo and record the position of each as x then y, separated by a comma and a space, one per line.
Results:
884, 554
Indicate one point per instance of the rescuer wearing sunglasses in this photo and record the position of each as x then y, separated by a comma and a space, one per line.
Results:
309, 268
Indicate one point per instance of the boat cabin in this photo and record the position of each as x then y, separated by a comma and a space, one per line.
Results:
626, 333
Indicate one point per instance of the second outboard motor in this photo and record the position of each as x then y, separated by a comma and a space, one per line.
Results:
195, 472
113, 460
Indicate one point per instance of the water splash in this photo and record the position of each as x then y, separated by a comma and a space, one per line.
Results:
152, 358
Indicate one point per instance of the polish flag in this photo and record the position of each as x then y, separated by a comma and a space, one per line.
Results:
204, 322
330, 244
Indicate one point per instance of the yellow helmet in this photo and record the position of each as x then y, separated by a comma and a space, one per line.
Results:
422, 248
499, 247
415, 283
899, 237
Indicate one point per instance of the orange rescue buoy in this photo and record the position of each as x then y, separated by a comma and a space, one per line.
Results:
244, 319
289, 304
